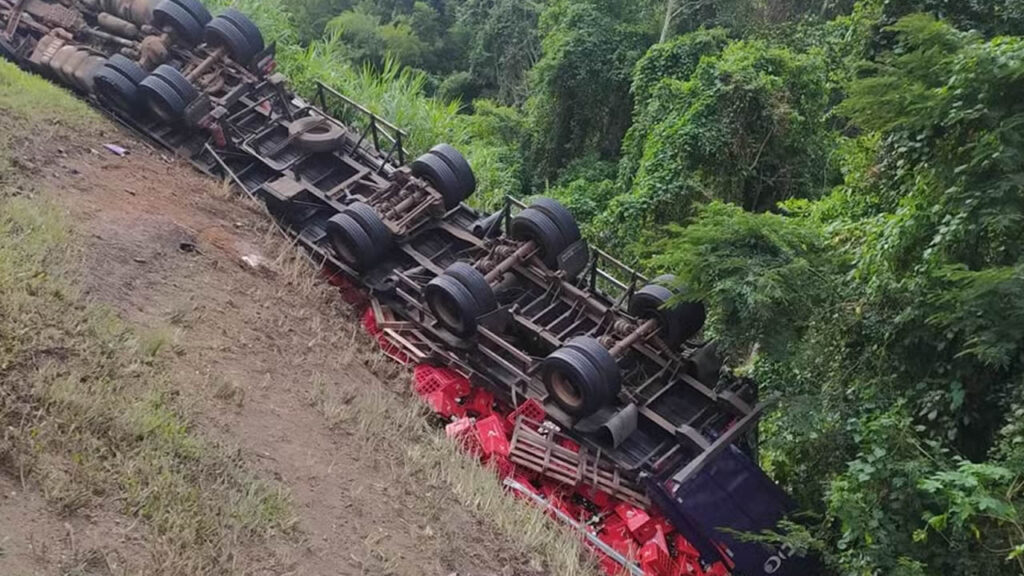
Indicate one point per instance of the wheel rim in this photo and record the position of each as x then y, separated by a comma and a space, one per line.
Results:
448, 313
565, 389
344, 251
162, 110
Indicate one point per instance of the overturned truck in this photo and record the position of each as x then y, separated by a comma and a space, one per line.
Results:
516, 299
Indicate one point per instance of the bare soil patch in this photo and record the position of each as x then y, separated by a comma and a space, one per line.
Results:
269, 365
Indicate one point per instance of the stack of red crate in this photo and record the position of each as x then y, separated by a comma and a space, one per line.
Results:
484, 429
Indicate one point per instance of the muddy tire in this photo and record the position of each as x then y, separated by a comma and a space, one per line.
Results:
680, 322
459, 297
460, 166
436, 171
578, 384
562, 218
315, 134
534, 225
168, 14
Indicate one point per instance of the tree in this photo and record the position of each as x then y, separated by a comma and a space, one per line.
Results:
746, 126
580, 86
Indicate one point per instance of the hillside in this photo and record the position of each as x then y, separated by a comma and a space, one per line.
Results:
169, 408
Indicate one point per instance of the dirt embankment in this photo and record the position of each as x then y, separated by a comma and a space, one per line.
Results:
269, 368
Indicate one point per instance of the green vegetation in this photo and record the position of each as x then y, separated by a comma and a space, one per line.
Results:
85, 405
841, 181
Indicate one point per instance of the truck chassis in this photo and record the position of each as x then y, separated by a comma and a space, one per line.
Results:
516, 300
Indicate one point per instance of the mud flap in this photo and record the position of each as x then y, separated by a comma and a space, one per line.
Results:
611, 426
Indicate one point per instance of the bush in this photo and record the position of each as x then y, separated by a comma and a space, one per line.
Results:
747, 127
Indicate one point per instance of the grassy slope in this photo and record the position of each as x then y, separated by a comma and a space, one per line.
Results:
84, 403
91, 417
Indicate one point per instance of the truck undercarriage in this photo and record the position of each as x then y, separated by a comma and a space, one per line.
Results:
515, 300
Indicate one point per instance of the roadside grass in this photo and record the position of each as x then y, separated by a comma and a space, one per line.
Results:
394, 426
87, 411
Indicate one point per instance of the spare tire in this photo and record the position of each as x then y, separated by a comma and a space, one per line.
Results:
316, 134
533, 225
441, 177
680, 322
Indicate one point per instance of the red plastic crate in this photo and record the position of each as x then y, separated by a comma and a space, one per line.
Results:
531, 410
480, 403
655, 561
491, 432
635, 518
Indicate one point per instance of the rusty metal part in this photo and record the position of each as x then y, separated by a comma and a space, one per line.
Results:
645, 330
524, 253
118, 26
15, 18
45, 50
109, 37
153, 51
207, 64
544, 455
55, 14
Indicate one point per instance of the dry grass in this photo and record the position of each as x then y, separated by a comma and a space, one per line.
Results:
391, 423
86, 408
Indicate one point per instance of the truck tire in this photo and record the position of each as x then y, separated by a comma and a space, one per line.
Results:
223, 33
459, 297
314, 134
453, 305
562, 218
477, 285
187, 29
575, 382
350, 242
372, 225
118, 91
459, 165
247, 27
532, 224
168, 93
680, 322
441, 177
130, 69
602, 360
196, 9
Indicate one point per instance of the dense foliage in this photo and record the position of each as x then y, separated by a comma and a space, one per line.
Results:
842, 182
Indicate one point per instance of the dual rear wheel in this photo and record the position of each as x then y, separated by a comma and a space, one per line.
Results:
167, 92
